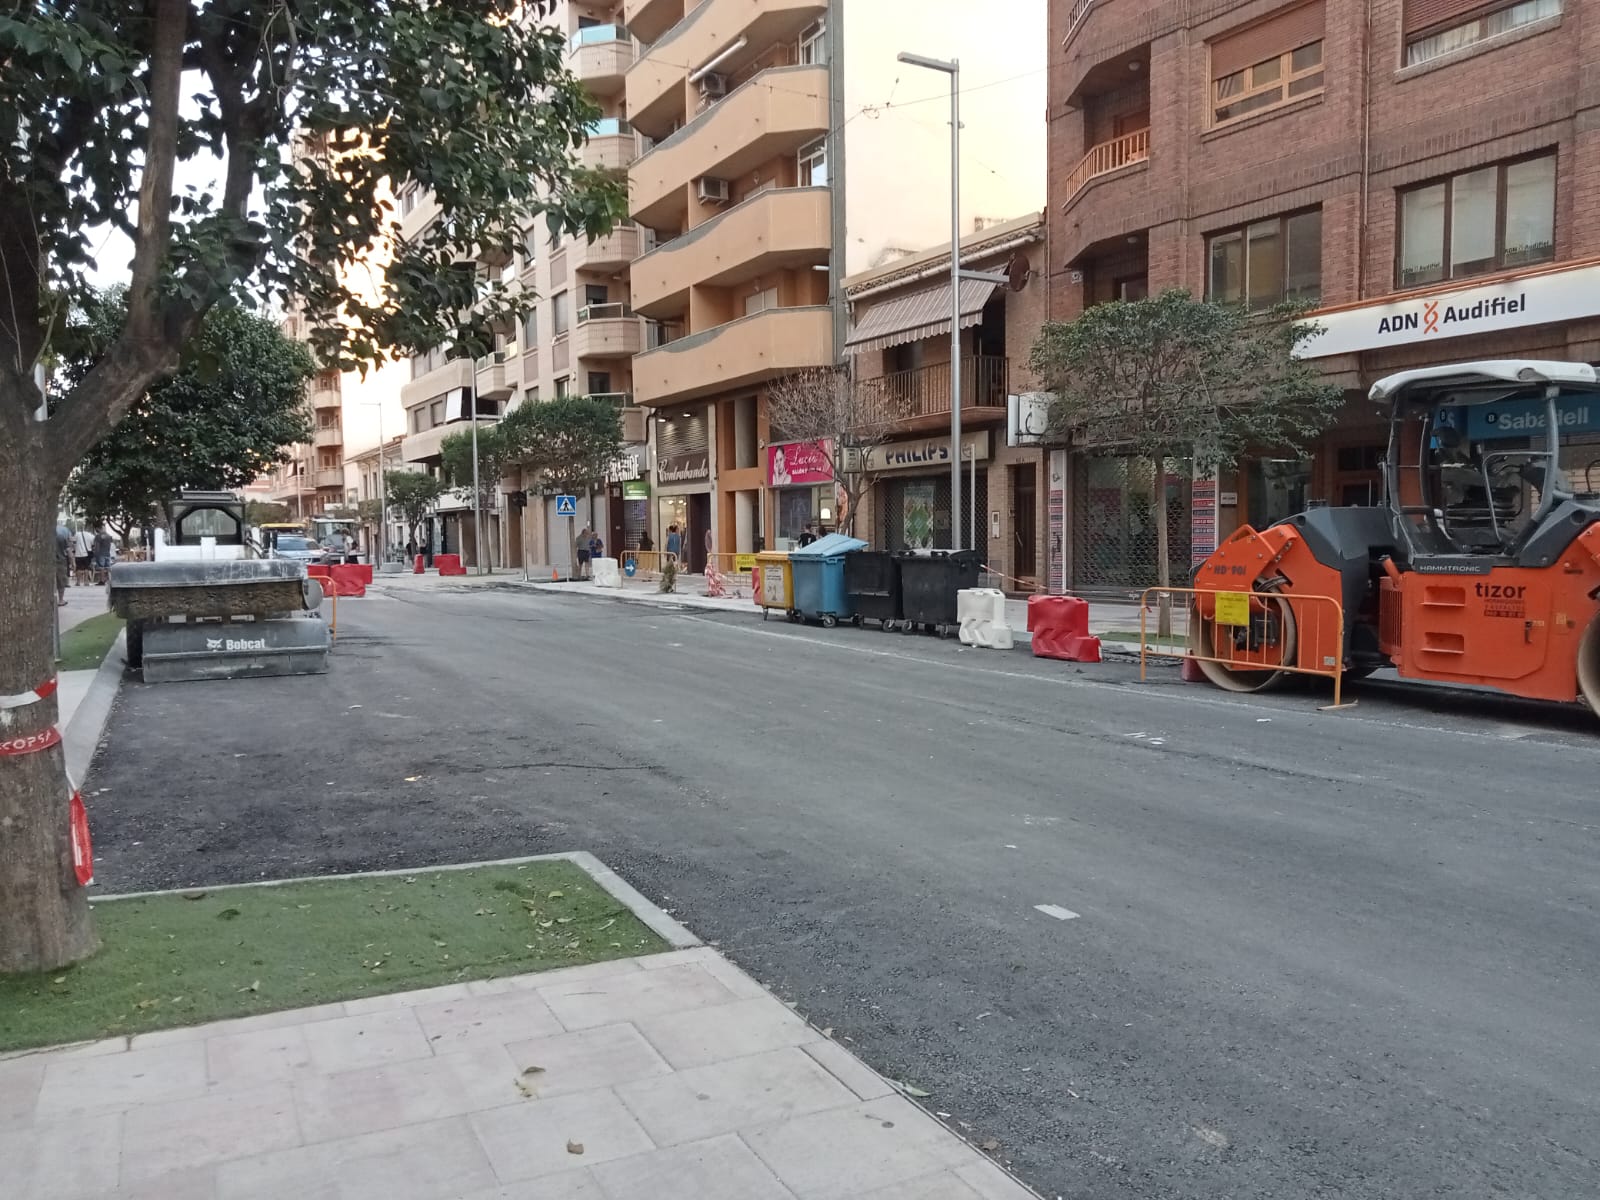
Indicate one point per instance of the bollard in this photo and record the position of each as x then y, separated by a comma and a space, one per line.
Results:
418, 568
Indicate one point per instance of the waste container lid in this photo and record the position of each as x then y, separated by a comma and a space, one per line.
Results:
828, 547
187, 573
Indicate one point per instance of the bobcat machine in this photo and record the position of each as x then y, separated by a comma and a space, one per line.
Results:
1482, 566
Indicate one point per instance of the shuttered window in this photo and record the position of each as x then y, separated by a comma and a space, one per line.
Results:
1426, 14
1267, 64
1435, 28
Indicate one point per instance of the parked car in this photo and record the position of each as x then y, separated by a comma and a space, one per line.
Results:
298, 549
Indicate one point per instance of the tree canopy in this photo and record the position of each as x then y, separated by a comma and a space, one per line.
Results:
236, 402
564, 445
413, 494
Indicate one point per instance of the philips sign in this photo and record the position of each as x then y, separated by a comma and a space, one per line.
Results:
1491, 308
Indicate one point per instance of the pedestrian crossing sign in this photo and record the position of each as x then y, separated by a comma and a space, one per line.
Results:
566, 506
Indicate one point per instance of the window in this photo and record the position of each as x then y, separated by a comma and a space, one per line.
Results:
416, 420
436, 414
813, 162
595, 293
530, 247
530, 329
599, 383
562, 386
1487, 219
1267, 262
530, 395
814, 44
1272, 62
558, 313
761, 301
1268, 83
1436, 43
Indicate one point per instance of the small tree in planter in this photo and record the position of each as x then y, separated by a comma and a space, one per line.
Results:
1171, 376
413, 493
566, 446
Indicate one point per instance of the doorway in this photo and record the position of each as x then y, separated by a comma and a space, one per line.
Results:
699, 525
1025, 524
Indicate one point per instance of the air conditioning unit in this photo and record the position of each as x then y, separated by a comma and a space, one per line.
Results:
713, 191
713, 86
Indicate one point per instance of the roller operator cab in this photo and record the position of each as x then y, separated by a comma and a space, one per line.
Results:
1481, 567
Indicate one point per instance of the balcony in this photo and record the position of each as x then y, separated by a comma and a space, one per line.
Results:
600, 56
649, 19
613, 252
1129, 150
656, 95
328, 436
775, 230
918, 400
1076, 12
607, 331
776, 113
761, 346
322, 397
493, 375
612, 145
457, 373
330, 478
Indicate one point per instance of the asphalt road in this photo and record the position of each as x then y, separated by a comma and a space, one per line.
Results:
1317, 954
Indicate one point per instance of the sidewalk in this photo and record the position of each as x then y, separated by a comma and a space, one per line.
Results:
669, 1077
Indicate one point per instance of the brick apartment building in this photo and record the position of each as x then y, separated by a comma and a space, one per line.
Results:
1426, 171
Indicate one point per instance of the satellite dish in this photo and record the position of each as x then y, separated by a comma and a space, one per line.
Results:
1019, 271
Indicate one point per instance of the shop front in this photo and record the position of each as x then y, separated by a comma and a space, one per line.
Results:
801, 490
683, 484
910, 500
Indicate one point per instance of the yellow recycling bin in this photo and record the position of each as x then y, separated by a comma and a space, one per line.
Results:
775, 588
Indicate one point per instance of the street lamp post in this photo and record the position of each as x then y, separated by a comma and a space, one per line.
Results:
477, 491
952, 68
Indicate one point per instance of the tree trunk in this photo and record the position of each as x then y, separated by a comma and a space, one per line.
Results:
44, 913
1163, 546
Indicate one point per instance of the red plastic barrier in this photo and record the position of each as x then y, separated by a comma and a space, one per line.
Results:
349, 579
366, 571
318, 570
449, 564
1060, 628
417, 568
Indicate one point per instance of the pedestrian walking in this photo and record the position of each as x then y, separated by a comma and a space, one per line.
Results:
63, 562
808, 534
104, 554
83, 557
674, 542
585, 536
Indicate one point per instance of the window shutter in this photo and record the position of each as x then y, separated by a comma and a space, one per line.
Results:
1425, 14
1267, 39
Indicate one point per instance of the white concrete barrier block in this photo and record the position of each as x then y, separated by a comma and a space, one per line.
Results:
607, 572
982, 613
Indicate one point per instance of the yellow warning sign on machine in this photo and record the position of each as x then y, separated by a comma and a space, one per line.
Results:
1233, 608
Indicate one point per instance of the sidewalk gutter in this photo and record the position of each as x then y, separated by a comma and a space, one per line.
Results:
82, 734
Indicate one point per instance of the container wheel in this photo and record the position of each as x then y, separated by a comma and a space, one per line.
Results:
1246, 678
856, 621
1589, 665
907, 626
829, 620
764, 613
794, 616
886, 626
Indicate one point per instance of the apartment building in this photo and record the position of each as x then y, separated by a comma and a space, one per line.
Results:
311, 480
899, 345
1425, 171
364, 472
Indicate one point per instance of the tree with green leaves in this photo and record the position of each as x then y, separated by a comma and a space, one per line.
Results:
305, 116
265, 512
413, 494
567, 446
496, 455
1174, 377
235, 404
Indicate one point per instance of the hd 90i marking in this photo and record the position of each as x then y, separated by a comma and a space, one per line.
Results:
1481, 567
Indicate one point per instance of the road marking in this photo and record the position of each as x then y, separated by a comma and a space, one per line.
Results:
1056, 911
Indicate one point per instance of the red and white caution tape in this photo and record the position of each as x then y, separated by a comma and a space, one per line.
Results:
23, 699
82, 849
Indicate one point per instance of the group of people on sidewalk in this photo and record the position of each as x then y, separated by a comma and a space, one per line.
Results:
82, 558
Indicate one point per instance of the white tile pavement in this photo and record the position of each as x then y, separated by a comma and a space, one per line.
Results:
671, 1077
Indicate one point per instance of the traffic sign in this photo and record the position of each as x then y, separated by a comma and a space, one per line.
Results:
566, 506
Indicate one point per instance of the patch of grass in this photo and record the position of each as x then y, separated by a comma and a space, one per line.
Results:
1155, 639
235, 952
84, 646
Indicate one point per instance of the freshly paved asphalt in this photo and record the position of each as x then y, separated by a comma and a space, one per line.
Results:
1319, 954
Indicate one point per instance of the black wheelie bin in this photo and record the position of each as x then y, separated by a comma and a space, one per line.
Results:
872, 579
929, 581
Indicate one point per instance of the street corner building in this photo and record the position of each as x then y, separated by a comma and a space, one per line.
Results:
1426, 172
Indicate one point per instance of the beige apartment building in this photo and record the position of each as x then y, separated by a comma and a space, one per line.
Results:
312, 479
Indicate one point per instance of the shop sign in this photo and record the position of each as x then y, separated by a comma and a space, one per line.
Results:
923, 454
624, 468
636, 489
794, 464
1528, 418
1027, 418
1490, 308
694, 467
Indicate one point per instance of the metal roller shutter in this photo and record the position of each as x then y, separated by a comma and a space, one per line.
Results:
1272, 37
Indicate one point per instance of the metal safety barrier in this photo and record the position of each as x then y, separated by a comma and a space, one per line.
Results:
1259, 633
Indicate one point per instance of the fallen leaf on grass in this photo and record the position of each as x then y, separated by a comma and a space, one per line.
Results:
228, 914
147, 1004
254, 987
574, 1147
607, 925
194, 895
558, 894
59, 979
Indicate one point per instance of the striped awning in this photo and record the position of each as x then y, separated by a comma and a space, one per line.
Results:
916, 315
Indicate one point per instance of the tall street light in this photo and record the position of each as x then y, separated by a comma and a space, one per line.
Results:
952, 68
383, 486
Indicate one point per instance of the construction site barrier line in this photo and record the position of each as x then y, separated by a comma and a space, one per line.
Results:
23, 699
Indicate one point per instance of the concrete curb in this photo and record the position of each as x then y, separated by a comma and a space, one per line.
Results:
673, 932
81, 737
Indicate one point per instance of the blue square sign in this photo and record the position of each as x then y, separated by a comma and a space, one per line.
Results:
566, 506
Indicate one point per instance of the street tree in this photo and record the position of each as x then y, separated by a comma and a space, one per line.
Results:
495, 452
296, 122
413, 494
265, 512
566, 446
236, 402
1171, 377
845, 420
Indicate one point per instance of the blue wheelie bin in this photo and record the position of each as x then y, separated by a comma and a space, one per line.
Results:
818, 569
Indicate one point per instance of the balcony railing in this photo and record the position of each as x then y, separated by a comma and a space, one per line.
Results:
594, 35
603, 312
1075, 15
925, 391
1109, 156
610, 127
